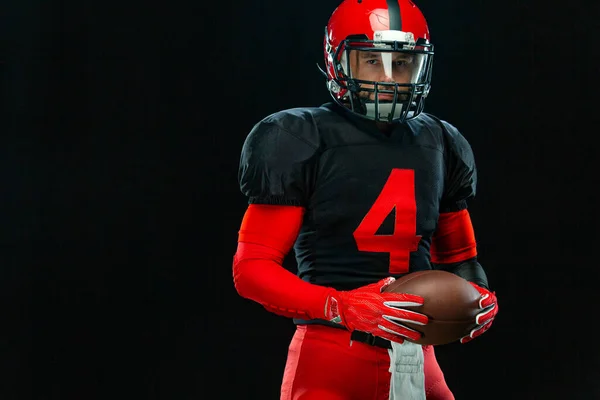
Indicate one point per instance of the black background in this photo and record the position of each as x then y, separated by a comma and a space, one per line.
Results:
123, 124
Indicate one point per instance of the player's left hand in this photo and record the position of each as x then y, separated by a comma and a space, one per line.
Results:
489, 308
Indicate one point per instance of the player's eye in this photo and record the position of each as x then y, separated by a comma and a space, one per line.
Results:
403, 65
403, 61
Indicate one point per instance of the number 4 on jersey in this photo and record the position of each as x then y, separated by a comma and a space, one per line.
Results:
399, 193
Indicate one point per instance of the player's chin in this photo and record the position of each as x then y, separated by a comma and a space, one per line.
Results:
385, 98
388, 98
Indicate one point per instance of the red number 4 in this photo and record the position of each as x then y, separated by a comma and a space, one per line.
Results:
399, 193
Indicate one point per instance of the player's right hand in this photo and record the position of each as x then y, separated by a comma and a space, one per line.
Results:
379, 313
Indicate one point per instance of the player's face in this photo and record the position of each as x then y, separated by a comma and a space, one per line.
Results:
389, 67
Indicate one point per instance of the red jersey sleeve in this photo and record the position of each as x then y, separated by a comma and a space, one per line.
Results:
454, 238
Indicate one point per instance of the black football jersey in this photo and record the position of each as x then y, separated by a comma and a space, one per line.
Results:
372, 200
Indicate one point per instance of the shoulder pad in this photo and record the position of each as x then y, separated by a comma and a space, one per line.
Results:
275, 159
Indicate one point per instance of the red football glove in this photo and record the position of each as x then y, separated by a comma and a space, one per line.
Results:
489, 306
369, 310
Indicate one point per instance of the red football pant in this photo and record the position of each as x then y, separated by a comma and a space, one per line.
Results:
322, 365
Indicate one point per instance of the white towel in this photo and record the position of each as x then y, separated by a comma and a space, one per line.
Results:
406, 367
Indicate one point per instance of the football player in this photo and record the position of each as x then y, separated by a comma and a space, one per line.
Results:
365, 189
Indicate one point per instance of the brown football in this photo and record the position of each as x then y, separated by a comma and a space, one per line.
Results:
450, 302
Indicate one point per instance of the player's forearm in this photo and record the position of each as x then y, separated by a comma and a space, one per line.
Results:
469, 269
259, 276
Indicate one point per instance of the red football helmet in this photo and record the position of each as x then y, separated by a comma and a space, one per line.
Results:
378, 58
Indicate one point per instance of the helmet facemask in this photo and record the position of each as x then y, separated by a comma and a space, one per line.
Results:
399, 70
